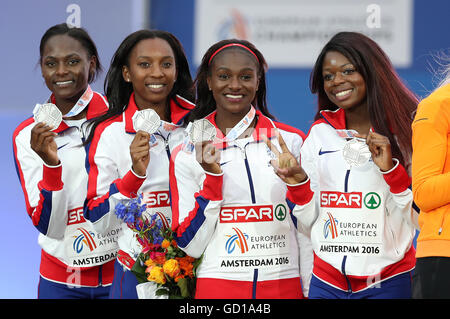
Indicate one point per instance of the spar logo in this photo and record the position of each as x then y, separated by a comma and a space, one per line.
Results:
340, 200
330, 227
349, 200
248, 214
237, 240
75, 216
86, 238
156, 199
372, 200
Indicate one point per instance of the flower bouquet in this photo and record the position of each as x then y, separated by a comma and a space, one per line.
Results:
161, 260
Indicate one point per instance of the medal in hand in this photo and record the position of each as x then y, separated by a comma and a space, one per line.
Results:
356, 152
48, 114
146, 120
202, 130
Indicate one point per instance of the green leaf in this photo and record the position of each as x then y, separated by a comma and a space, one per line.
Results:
197, 263
183, 283
161, 292
138, 270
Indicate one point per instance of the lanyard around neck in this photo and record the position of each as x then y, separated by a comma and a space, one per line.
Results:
242, 126
81, 104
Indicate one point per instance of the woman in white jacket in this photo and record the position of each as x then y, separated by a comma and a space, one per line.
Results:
149, 71
50, 164
352, 191
232, 208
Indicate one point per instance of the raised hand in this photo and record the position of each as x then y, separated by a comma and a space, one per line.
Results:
208, 156
42, 141
380, 147
140, 152
285, 165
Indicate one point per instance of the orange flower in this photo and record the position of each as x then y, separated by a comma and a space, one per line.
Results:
174, 243
180, 276
165, 244
159, 258
186, 265
171, 268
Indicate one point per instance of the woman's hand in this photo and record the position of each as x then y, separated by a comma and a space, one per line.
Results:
380, 147
208, 156
285, 165
43, 143
140, 152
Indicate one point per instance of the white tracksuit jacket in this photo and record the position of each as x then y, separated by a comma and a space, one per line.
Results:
111, 179
360, 220
239, 220
72, 251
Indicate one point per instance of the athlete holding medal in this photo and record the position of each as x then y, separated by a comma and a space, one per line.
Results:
50, 157
228, 204
354, 198
149, 88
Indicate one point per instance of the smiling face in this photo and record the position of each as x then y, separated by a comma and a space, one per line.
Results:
233, 81
65, 67
343, 84
152, 71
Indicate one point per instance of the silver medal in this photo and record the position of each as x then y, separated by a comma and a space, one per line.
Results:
202, 130
356, 152
49, 114
146, 120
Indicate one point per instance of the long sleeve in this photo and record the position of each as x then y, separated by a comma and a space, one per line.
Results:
430, 169
105, 187
401, 199
45, 197
301, 197
306, 259
196, 199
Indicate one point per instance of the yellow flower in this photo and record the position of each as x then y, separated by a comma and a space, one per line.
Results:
149, 262
171, 268
157, 275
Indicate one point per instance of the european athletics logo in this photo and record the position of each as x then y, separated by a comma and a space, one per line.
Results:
330, 227
239, 239
84, 238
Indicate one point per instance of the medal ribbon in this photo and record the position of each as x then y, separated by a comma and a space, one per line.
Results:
232, 135
349, 133
81, 104
243, 125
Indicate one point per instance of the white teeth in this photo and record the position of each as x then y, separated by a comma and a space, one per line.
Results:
231, 96
63, 83
342, 93
155, 86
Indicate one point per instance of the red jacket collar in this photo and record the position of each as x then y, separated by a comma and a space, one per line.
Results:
179, 109
335, 118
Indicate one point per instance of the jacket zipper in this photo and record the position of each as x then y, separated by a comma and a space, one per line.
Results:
442, 225
344, 260
253, 197
249, 174
166, 144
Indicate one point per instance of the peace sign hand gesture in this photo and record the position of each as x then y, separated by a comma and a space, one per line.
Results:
285, 165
